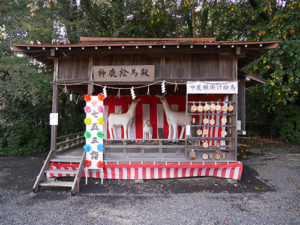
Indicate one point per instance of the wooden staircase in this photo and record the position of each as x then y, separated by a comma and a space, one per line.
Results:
44, 180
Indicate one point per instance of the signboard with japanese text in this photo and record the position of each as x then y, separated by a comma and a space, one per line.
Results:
53, 119
94, 131
212, 87
128, 73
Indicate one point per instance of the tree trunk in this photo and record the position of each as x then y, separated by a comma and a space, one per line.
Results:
193, 17
204, 18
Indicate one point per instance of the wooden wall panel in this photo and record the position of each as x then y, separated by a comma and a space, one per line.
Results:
73, 69
187, 66
205, 66
225, 66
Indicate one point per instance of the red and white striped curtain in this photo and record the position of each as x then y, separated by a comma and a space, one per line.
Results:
150, 108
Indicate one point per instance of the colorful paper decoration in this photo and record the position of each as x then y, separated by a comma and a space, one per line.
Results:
87, 148
100, 134
88, 163
87, 121
94, 134
100, 148
100, 164
100, 121
101, 97
87, 98
87, 134
87, 109
100, 108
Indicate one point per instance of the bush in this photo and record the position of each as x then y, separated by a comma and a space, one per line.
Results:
281, 122
289, 123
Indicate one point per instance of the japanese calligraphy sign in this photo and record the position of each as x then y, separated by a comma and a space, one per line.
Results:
212, 87
94, 131
124, 73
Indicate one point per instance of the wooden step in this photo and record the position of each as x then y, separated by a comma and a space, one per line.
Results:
67, 159
53, 183
71, 172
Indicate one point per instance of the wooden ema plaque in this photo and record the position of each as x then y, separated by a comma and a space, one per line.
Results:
131, 73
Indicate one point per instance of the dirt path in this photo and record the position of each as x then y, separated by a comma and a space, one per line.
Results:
268, 193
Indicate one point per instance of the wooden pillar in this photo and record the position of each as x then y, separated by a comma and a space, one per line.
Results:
242, 104
90, 72
54, 105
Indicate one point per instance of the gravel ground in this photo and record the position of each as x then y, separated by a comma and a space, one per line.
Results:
268, 193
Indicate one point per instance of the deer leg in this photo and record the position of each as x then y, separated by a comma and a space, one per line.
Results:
182, 131
129, 130
115, 132
125, 131
175, 130
170, 130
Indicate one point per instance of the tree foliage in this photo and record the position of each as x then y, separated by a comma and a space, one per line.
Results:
26, 92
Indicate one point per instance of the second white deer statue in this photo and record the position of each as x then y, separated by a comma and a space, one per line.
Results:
175, 119
122, 119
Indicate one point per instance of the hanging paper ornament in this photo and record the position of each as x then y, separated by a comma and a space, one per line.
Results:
104, 92
87, 148
71, 97
132, 93
87, 121
65, 89
100, 148
100, 121
119, 93
100, 134
148, 91
87, 134
87, 98
100, 164
88, 163
87, 109
176, 87
101, 97
163, 87
100, 108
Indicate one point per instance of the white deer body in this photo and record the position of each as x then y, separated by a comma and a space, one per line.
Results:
175, 119
121, 119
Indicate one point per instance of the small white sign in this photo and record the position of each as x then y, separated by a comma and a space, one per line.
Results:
212, 87
53, 119
239, 125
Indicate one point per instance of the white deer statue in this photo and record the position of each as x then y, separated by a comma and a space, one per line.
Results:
122, 119
175, 119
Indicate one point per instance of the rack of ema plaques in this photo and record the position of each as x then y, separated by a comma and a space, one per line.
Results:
212, 108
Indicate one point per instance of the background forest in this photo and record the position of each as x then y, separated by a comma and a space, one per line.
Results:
273, 110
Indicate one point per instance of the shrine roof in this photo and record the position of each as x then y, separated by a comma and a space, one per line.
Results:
95, 45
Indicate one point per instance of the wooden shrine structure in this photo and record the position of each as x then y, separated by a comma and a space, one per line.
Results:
196, 74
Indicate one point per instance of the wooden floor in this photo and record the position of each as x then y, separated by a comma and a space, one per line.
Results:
175, 153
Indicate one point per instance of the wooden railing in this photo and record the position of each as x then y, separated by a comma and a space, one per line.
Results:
66, 142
